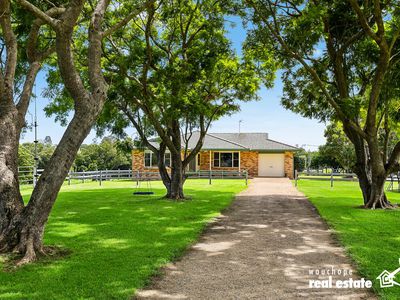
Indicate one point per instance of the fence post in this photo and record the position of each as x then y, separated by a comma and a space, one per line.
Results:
100, 179
209, 176
83, 177
246, 176
69, 177
295, 177
331, 179
398, 181
34, 176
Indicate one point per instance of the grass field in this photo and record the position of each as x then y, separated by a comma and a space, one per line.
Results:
372, 238
116, 240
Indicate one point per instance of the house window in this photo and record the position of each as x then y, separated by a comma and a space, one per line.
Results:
226, 159
150, 159
216, 159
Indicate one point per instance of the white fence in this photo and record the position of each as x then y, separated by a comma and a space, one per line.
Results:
393, 179
27, 175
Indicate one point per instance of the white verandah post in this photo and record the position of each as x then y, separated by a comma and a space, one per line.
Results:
239, 161
210, 169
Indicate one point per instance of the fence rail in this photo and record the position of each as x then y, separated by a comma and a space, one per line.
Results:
27, 175
392, 179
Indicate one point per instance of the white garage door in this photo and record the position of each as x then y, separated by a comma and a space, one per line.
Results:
271, 164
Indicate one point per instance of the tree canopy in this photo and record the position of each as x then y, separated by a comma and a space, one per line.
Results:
172, 72
339, 59
43, 29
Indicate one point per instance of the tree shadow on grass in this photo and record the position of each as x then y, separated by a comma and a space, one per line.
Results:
117, 241
371, 237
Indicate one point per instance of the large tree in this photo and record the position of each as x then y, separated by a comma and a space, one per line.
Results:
22, 226
337, 58
175, 72
23, 51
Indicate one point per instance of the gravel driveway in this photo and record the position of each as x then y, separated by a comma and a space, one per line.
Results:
262, 247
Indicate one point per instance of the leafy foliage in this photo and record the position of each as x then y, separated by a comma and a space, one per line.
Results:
338, 147
339, 60
26, 154
106, 155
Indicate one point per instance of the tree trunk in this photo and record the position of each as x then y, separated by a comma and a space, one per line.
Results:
377, 197
372, 187
11, 203
370, 172
165, 177
24, 232
175, 189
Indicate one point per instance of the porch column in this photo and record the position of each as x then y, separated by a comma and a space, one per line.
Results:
210, 161
209, 178
239, 160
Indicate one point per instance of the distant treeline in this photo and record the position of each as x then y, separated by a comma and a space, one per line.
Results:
109, 154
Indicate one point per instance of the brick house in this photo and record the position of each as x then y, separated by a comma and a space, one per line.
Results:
253, 152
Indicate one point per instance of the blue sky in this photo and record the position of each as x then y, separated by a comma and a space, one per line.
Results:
266, 115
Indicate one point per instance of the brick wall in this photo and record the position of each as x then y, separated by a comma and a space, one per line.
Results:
289, 165
204, 160
138, 162
249, 162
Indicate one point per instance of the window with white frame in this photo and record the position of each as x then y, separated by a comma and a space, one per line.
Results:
226, 159
150, 159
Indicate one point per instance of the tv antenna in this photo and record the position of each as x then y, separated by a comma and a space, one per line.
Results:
36, 158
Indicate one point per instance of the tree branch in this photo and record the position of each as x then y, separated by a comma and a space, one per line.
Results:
125, 20
363, 21
39, 13
138, 128
32, 51
292, 53
26, 94
96, 78
65, 57
394, 159
10, 40
199, 143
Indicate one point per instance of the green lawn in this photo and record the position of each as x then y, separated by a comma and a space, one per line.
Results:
117, 240
372, 238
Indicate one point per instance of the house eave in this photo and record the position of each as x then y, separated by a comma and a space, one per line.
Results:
273, 150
